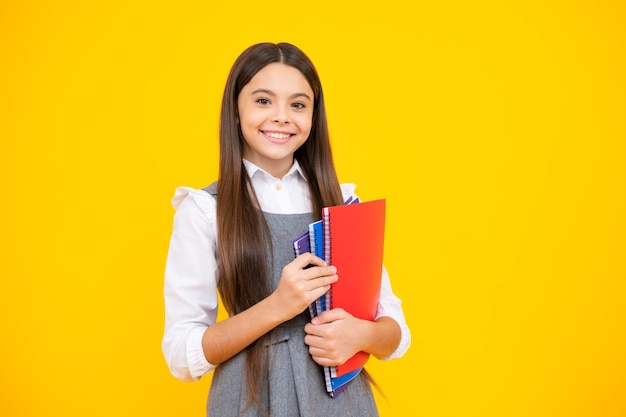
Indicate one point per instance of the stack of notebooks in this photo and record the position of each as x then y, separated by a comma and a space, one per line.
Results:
350, 237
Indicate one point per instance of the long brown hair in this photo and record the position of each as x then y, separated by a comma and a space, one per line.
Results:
243, 235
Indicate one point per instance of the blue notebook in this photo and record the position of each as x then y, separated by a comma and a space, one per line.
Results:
301, 245
316, 240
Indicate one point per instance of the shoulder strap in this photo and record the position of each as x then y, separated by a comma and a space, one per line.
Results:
212, 189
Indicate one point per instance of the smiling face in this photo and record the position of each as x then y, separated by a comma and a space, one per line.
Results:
275, 116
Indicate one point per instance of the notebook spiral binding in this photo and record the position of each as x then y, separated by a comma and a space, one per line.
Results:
327, 253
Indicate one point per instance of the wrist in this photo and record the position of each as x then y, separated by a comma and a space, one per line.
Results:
275, 309
383, 337
369, 337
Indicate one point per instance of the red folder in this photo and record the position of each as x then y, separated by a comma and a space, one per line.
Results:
353, 242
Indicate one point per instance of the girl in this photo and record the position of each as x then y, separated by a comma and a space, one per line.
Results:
276, 174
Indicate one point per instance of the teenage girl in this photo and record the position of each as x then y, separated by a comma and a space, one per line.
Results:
234, 237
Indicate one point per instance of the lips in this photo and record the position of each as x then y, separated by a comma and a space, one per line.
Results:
277, 137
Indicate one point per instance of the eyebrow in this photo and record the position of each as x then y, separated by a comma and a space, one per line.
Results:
271, 93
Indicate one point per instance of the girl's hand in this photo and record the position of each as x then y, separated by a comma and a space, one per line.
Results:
298, 287
334, 337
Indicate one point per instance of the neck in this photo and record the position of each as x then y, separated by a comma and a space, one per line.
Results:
278, 169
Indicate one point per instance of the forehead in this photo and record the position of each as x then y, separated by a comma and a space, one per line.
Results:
279, 78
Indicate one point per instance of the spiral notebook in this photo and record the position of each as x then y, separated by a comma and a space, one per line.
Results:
353, 241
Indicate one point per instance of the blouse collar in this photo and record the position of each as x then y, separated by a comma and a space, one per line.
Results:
253, 170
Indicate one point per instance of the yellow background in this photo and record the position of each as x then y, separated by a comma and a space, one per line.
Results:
496, 131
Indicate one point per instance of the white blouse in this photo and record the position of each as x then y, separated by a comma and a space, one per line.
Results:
191, 296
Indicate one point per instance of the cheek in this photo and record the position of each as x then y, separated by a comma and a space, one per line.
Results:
305, 123
248, 121
247, 126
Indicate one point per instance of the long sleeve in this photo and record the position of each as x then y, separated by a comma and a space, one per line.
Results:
390, 305
191, 300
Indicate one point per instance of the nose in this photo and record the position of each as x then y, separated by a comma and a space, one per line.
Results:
281, 116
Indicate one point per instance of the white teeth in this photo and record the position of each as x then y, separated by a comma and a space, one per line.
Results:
275, 135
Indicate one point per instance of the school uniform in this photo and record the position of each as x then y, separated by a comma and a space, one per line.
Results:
294, 385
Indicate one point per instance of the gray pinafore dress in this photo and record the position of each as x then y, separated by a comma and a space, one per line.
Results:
295, 385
